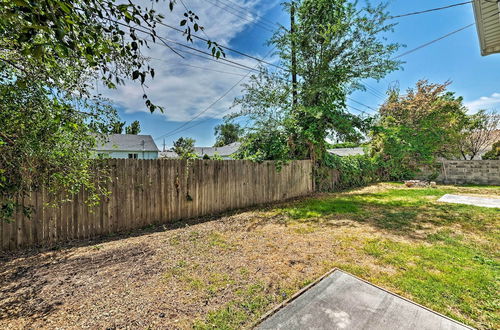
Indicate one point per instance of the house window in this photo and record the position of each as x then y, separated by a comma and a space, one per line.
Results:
133, 156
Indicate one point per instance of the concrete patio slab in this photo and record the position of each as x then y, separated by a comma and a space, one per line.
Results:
342, 301
470, 200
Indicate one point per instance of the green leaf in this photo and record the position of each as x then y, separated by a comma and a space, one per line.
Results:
65, 7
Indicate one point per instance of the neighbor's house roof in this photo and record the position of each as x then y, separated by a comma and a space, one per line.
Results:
223, 151
347, 151
226, 150
168, 154
128, 142
487, 13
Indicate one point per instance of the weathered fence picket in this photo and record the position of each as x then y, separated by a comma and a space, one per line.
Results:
145, 192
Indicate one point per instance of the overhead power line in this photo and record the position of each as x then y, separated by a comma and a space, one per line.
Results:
179, 129
210, 58
433, 41
431, 10
374, 91
164, 42
357, 102
226, 48
237, 14
259, 17
200, 67
358, 110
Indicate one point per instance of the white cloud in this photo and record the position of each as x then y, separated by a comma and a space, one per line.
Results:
484, 102
183, 90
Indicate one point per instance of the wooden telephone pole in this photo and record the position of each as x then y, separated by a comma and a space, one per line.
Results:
294, 55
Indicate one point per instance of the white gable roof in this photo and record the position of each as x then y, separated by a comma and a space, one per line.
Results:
128, 142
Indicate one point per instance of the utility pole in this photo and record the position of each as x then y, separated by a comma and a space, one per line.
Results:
294, 55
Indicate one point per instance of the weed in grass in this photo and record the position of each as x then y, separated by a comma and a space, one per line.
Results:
445, 235
244, 271
194, 236
194, 282
303, 229
176, 240
217, 240
178, 270
252, 302
218, 281
397, 220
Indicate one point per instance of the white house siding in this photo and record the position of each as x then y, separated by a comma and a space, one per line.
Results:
124, 154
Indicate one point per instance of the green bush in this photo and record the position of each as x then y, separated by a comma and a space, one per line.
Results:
494, 153
354, 171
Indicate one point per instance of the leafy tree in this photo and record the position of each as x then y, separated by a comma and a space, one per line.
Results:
416, 128
184, 147
134, 128
117, 127
265, 145
336, 45
227, 133
46, 141
494, 153
481, 132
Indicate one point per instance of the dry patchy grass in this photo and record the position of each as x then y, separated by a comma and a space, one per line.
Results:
226, 272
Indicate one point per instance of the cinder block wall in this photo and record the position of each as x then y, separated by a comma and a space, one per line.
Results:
484, 172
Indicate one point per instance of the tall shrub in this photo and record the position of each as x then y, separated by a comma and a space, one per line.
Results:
416, 128
354, 171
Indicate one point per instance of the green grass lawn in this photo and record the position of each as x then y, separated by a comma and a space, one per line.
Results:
444, 256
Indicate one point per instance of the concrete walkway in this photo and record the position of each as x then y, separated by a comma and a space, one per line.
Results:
470, 200
342, 301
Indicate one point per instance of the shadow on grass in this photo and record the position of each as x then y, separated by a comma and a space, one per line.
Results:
399, 210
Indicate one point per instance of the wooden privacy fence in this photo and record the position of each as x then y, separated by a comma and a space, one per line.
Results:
146, 192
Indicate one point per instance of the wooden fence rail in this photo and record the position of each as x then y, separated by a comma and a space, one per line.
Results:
146, 192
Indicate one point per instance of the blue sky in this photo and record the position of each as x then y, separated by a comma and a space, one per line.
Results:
187, 91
